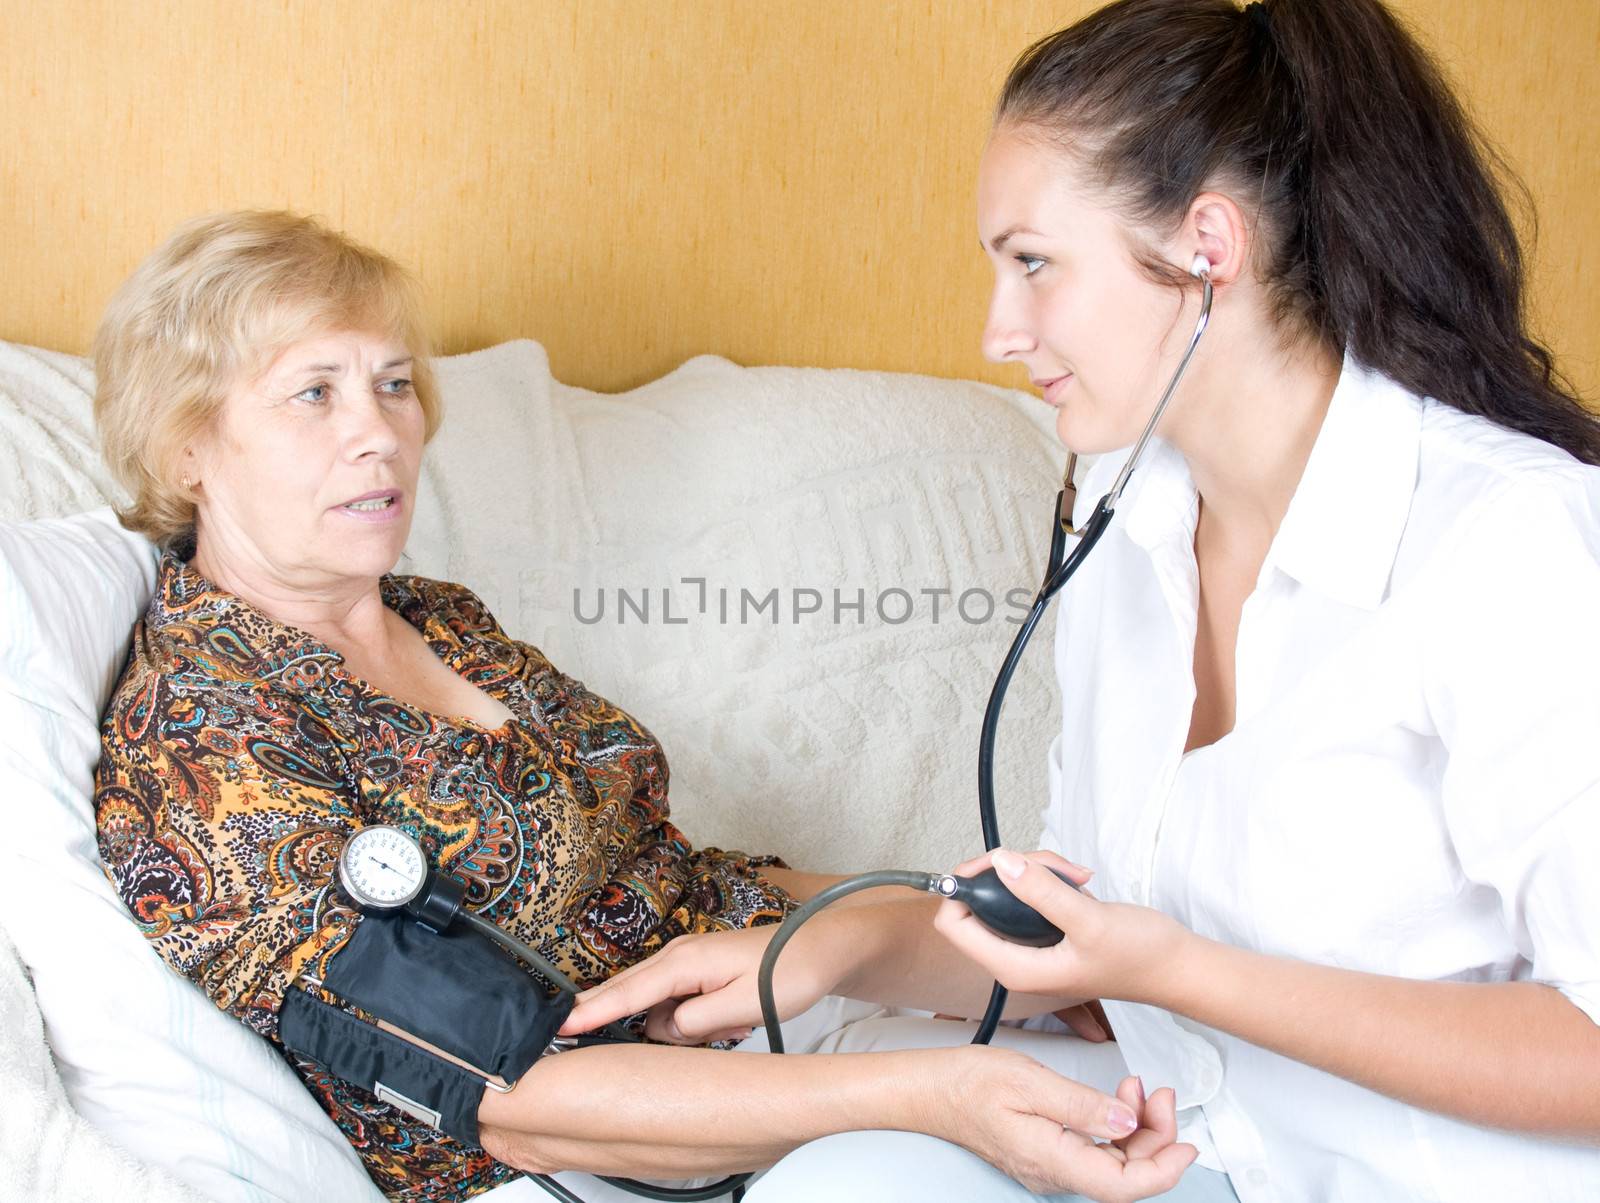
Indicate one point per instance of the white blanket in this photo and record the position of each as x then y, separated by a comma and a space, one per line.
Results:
47, 1150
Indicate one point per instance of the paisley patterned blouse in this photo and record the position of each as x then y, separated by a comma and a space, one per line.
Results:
238, 754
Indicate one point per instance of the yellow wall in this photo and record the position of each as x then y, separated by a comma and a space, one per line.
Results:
633, 183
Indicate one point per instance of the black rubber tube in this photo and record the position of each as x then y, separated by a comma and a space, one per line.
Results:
840, 889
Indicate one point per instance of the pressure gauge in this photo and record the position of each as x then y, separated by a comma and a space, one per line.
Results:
382, 868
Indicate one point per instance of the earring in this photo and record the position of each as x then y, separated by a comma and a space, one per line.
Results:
187, 485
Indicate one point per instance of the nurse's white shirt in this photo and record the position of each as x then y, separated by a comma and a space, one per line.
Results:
1412, 786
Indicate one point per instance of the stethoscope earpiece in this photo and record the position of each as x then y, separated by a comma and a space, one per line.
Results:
1201, 267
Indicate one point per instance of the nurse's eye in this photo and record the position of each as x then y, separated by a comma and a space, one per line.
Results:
397, 387
1030, 263
320, 391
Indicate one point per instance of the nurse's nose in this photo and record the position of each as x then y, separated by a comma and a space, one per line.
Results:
1005, 335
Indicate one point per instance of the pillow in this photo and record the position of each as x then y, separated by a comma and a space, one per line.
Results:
839, 743
143, 1055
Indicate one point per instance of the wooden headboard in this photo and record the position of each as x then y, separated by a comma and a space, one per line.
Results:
633, 182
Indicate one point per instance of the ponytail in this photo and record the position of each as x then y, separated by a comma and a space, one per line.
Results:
1380, 227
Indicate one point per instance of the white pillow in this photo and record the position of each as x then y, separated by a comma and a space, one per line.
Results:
48, 1150
142, 1053
839, 745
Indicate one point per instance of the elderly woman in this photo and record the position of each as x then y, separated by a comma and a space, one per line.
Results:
265, 395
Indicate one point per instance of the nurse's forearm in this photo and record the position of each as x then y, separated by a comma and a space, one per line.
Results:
1513, 1055
899, 959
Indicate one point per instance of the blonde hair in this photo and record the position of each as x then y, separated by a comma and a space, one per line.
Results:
215, 304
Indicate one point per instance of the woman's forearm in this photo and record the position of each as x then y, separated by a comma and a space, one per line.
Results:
661, 1111
1505, 1054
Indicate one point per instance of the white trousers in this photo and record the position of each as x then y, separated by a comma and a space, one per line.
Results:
884, 1167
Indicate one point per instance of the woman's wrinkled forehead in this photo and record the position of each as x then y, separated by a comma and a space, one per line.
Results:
277, 333
332, 352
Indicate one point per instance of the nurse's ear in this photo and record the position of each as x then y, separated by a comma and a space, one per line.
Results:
1216, 229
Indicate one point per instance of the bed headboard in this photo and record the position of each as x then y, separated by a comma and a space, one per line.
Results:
777, 181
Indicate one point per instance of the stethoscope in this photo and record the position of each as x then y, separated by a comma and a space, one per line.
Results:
1057, 573
383, 869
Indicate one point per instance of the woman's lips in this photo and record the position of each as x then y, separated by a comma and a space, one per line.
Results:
1051, 389
387, 513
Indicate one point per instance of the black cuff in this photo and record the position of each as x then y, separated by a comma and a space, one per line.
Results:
426, 1087
455, 989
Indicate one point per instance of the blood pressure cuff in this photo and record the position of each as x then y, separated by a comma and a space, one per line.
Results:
455, 989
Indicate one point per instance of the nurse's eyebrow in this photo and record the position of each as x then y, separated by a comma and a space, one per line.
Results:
999, 242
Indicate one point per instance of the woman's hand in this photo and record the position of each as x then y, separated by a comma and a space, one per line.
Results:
1108, 950
703, 988
1040, 1128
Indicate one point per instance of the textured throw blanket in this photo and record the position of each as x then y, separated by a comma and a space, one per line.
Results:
47, 1150
633, 538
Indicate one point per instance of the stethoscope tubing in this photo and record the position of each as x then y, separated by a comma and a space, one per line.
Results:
1058, 572
1059, 569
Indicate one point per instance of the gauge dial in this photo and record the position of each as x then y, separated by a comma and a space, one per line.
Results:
382, 867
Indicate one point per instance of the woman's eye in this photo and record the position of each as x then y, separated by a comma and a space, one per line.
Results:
321, 391
1030, 263
396, 388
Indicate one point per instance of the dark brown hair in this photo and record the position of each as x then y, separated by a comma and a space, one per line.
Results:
1380, 226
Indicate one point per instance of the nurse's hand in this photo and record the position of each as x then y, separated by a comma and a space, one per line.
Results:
1108, 950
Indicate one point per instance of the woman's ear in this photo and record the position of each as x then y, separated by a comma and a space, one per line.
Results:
190, 469
1215, 228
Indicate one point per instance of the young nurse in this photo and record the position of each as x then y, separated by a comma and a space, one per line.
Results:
1331, 681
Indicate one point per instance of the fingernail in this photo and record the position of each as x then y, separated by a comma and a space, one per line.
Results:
672, 1030
1140, 1082
1122, 1121
1008, 863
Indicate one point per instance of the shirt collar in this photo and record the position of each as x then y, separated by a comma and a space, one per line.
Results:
1158, 503
222, 637
1342, 530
